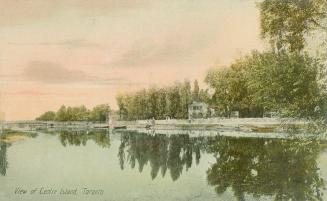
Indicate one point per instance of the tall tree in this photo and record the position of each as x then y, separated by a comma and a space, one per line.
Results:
196, 90
100, 113
186, 98
47, 116
61, 114
285, 82
285, 23
231, 92
121, 102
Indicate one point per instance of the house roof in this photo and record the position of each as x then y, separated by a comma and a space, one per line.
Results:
198, 104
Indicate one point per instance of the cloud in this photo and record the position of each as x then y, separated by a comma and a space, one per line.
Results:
55, 73
119, 82
17, 12
21, 11
77, 43
108, 6
28, 92
50, 72
72, 43
170, 51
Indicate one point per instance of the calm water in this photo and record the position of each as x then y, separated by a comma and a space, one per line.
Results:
131, 166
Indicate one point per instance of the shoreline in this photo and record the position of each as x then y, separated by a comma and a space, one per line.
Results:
233, 127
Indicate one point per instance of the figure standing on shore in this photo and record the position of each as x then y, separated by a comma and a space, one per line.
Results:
153, 122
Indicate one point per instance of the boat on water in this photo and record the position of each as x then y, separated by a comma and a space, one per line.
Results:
120, 127
104, 126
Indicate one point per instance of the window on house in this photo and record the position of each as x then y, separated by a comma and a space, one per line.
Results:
196, 107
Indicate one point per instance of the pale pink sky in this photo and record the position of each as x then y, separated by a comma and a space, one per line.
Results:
74, 52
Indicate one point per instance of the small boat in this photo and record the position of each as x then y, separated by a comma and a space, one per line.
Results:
120, 127
101, 126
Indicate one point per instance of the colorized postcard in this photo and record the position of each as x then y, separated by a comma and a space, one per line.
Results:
163, 100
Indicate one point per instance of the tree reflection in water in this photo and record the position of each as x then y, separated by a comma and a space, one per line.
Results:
284, 169
278, 168
162, 153
281, 169
3, 158
77, 138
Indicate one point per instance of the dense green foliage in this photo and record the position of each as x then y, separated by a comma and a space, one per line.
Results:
231, 93
285, 82
159, 103
81, 113
47, 116
285, 23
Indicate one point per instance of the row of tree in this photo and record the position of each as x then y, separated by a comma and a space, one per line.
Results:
81, 113
159, 103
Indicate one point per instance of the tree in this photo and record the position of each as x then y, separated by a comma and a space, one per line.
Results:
231, 92
174, 99
122, 105
70, 116
196, 91
157, 102
82, 113
100, 113
61, 114
186, 98
283, 82
153, 99
204, 96
162, 103
47, 116
285, 23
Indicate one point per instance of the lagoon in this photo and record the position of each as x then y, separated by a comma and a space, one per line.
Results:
134, 166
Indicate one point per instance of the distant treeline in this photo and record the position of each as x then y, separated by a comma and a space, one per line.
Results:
160, 103
81, 113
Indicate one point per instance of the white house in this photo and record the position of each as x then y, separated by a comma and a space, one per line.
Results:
197, 110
